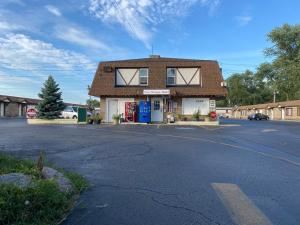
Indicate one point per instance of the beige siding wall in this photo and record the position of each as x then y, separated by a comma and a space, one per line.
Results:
103, 108
11, 109
274, 113
295, 113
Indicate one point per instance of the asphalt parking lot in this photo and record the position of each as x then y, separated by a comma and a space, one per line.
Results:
243, 172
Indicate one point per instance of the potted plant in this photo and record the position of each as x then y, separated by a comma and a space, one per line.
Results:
97, 119
90, 120
179, 117
196, 115
116, 119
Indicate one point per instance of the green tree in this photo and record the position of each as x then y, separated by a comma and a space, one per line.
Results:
286, 59
92, 104
51, 103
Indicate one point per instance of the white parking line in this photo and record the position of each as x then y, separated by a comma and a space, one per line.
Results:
241, 209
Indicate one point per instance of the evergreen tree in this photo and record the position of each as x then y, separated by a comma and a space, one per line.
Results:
51, 104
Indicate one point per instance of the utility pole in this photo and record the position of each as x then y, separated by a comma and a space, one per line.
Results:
274, 95
89, 88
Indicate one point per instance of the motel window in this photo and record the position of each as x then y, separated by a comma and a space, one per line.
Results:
171, 76
289, 111
143, 74
170, 106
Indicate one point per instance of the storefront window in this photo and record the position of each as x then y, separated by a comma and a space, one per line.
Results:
170, 106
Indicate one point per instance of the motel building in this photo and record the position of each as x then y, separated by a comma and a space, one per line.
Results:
156, 87
287, 110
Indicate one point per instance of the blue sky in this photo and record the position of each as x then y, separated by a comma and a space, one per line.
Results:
68, 38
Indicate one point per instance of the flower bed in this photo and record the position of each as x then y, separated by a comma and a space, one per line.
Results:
26, 197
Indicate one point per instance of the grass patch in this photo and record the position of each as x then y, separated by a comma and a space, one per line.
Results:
9, 164
40, 204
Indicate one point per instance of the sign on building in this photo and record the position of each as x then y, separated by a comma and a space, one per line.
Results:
212, 103
156, 92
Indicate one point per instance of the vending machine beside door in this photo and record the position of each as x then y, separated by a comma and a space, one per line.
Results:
145, 111
131, 112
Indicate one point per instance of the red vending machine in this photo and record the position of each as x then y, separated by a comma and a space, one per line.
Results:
131, 112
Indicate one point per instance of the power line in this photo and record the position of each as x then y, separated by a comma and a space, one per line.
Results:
116, 6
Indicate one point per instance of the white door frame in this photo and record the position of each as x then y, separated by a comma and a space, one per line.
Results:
1, 108
157, 115
120, 108
283, 113
107, 108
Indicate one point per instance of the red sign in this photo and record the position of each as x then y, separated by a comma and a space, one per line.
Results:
31, 113
213, 115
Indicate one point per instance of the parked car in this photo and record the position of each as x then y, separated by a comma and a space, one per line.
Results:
258, 116
71, 112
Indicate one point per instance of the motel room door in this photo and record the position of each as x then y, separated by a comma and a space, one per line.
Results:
112, 109
157, 113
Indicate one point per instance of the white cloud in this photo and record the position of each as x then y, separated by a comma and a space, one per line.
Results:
140, 17
243, 20
54, 10
80, 37
9, 26
14, 79
20, 52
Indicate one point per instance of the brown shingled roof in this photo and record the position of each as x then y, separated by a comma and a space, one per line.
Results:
33, 101
270, 105
104, 82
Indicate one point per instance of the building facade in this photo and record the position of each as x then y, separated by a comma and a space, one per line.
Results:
288, 110
12, 106
225, 112
178, 86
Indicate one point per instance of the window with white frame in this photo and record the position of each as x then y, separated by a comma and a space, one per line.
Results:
131, 76
289, 111
143, 74
184, 76
170, 106
171, 76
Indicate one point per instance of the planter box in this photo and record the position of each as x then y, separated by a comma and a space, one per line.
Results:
55, 121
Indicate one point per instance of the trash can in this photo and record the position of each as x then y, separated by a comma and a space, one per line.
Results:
82, 112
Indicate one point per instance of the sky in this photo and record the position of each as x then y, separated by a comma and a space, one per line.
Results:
67, 39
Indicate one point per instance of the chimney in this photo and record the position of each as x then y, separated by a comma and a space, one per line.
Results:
154, 56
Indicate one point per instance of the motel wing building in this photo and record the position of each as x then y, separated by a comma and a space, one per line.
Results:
180, 86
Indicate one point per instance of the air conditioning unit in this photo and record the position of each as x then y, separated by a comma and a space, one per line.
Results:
108, 69
223, 84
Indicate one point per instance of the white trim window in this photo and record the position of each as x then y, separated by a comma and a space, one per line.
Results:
170, 106
143, 74
131, 76
193, 105
171, 76
289, 111
184, 76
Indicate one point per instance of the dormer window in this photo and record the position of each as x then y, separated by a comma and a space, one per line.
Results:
143, 73
131, 76
171, 76
184, 76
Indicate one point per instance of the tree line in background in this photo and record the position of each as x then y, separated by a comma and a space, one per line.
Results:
278, 80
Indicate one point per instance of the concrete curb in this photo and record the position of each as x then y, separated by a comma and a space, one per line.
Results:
179, 123
55, 121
